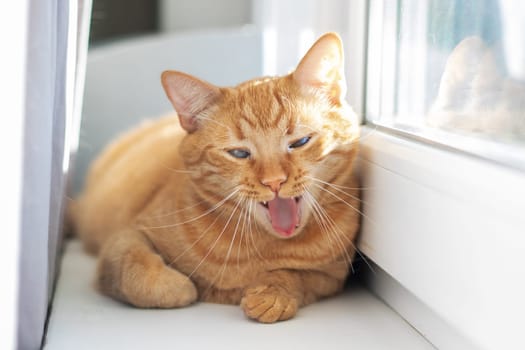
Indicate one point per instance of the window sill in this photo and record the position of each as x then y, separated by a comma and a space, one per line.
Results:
449, 228
83, 319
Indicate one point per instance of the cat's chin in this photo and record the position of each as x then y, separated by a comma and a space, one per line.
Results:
282, 217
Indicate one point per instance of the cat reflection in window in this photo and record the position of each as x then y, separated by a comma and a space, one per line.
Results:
475, 96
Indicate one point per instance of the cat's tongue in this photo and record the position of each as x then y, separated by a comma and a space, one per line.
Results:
284, 215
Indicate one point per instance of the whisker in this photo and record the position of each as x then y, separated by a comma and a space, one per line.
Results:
345, 202
215, 242
338, 186
211, 210
173, 261
182, 171
176, 211
334, 187
251, 232
330, 227
223, 269
244, 214
320, 222
338, 234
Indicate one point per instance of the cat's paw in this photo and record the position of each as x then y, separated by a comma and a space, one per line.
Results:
174, 289
268, 304
161, 288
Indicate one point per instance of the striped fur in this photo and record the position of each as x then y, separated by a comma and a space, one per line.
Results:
175, 218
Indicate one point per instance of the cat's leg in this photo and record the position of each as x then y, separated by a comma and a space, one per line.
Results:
130, 270
277, 295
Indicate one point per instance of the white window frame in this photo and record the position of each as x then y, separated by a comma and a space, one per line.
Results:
447, 227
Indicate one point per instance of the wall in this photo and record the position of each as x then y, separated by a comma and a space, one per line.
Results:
182, 15
117, 19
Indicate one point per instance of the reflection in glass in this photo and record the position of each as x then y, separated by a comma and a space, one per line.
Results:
476, 96
442, 68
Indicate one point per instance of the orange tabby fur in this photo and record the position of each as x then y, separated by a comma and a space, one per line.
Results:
174, 217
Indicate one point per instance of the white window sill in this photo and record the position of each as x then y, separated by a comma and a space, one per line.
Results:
83, 319
448, 228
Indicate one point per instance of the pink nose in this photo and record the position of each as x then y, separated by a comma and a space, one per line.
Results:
274, 184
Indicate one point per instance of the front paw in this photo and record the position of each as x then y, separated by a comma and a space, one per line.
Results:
268, 304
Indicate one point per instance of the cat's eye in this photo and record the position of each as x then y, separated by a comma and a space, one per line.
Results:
299, 143
239, 153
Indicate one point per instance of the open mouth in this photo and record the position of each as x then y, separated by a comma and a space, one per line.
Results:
284, 214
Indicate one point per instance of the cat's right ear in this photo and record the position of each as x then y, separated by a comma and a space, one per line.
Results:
323, 67
189, 96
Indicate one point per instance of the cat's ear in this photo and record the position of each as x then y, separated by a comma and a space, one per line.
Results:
323, 67
189, 96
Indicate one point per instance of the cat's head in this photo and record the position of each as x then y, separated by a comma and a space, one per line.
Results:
264, 147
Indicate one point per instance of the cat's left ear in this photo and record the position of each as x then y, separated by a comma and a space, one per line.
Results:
189, 96
323, 67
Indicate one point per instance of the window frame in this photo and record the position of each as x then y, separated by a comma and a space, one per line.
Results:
439, 259
405, 184
14, 21
381, 89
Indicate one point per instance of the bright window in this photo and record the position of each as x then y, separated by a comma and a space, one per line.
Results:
451, 72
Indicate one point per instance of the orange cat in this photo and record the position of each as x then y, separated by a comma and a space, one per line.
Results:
252, 201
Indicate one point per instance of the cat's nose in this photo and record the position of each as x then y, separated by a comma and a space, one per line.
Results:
274, 183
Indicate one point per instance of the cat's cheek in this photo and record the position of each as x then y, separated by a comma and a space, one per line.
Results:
304, 215
223, 164
217, 159
335, 159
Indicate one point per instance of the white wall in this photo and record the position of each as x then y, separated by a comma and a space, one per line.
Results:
203, 14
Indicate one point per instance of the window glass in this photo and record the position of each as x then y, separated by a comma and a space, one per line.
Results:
451, 71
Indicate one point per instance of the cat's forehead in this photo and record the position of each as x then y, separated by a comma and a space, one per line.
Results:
267, 106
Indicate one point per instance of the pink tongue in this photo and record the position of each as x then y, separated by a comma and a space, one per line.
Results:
283, 214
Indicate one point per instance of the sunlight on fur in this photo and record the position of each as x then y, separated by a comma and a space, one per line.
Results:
246, 196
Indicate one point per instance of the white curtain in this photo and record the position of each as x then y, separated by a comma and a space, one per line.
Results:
56, 45
13, 21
